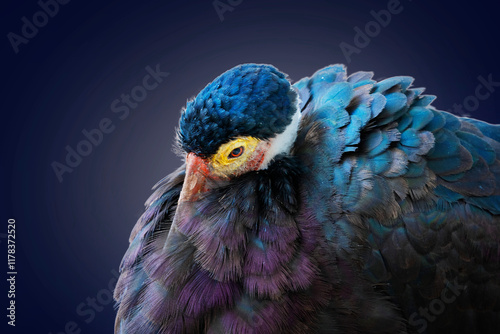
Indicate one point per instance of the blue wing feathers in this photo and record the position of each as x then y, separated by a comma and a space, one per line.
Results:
420, 116
425, 183
455, 150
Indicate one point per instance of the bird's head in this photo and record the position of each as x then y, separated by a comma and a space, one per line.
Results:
238, 123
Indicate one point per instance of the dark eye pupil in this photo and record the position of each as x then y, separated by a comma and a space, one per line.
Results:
236, 152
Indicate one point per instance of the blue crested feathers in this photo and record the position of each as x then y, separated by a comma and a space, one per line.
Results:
247, 100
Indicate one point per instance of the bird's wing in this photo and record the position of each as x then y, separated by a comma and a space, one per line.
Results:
409, 192
146, 244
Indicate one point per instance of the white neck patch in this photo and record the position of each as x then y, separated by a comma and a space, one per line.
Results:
283, 142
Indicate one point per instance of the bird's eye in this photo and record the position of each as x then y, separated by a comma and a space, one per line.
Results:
237, 152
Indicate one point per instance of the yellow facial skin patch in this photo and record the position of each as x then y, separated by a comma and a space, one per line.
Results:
231, 157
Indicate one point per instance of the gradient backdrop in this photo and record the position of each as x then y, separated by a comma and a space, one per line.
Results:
72, 234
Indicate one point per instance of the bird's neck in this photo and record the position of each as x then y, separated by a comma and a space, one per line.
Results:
243, 252
245, 229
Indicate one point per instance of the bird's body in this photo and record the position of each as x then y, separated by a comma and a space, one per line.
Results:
336, 205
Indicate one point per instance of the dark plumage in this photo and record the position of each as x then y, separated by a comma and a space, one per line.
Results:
376, 213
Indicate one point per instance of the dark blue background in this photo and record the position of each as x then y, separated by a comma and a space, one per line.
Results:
71, 235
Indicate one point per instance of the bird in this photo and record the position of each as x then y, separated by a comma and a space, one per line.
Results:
334, 204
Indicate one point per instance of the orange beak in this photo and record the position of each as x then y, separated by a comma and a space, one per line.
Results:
195, 181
